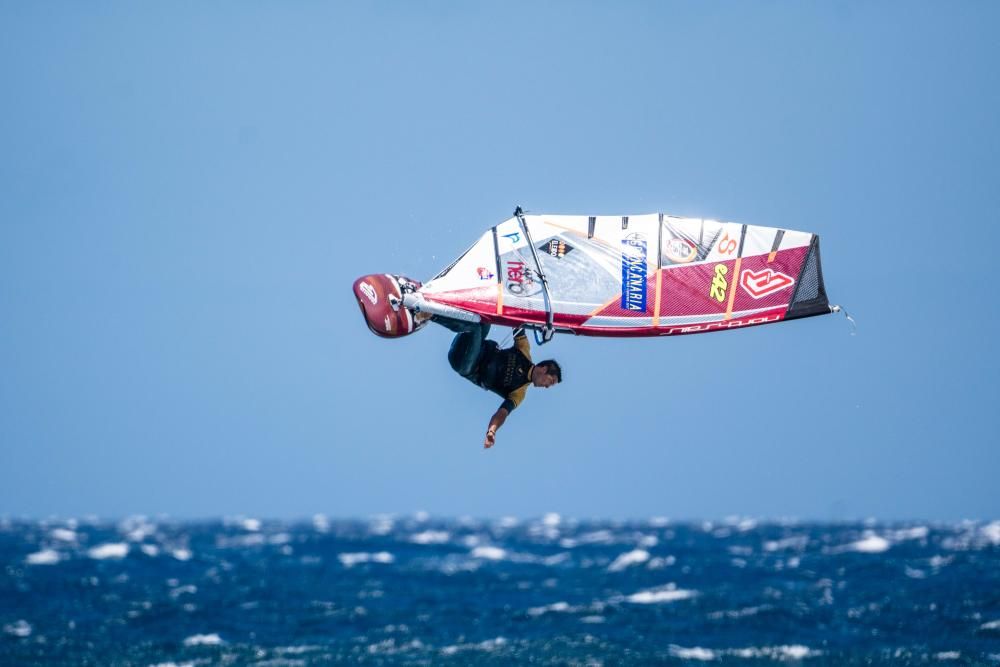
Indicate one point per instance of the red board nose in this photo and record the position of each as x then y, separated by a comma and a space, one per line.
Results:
381, 300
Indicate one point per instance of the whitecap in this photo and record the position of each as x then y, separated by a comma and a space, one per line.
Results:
150, 550
421, 516
19, 629
991, 532
250, 525
551, 520
182, 554
796, 542
694, 653
660, 563
871, 544
555, 559
992, 625
109, 550
203, 640
136, 528
190, 589
793, 652
63, 534
352, 559
737, 613
784, 652
948, 655
489, 645
938, 562
594, 537
430, 537
628, 559
320, 523
668, 593
489, 553
43, 557
648, 540
381, 525
915, 533
557, 607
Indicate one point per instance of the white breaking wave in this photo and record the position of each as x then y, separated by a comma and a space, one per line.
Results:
19, 629
991, 532
559, 607
662, 594
381, 525
352, 559
992, 625
792, 652
489, 553
489, 645
63, 535
634, 557
431, 537
785, 652
593, 537
796, 543
695, 653
872, 544
915, 533
203, 640
110, 550
43, 557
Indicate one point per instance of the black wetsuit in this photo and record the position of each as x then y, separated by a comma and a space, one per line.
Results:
505, 371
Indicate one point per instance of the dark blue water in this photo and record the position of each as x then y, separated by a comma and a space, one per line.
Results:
546, 591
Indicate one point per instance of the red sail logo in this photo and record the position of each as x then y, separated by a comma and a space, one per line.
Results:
759, 284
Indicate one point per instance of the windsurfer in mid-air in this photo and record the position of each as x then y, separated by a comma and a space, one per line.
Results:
505, 371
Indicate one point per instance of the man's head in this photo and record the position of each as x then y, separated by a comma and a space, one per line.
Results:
546, 373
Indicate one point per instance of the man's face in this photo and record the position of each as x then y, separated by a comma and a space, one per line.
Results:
541, 378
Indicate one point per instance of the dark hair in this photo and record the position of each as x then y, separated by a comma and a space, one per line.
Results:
552, 367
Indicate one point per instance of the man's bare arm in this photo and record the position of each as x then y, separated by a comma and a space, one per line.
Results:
496, 421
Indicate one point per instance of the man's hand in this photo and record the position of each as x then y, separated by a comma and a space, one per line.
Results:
496, 421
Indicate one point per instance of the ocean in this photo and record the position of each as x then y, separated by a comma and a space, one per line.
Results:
544, 591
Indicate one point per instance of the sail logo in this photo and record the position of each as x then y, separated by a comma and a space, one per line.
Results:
680, 250
484, 273
556, 248
759, 284
369, 292
634, 272
515, 237
518, 277
717, 290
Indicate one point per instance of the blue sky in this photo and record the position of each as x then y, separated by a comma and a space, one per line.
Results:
189, 190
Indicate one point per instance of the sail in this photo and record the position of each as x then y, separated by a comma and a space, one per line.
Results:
643, 275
